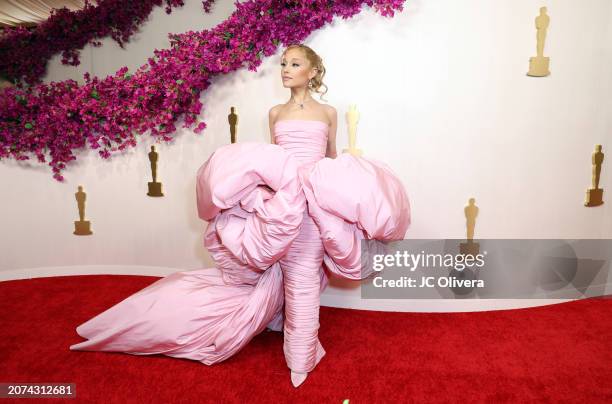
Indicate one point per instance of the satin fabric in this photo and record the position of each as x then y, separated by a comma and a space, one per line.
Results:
29, 12
304, 278
278, 215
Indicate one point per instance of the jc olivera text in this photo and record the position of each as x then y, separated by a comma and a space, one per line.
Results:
428, 282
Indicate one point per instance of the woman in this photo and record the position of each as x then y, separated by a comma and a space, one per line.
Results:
277, 215
302, 71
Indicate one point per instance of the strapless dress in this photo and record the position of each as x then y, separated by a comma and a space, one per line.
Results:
280, 217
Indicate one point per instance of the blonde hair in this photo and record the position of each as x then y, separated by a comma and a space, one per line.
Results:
315, 60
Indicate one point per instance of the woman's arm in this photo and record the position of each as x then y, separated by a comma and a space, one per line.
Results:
271, 120
331, 139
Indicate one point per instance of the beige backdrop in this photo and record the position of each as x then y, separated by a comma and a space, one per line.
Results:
29, 12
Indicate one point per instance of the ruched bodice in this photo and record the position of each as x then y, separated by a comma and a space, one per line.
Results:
305, 139
306, 142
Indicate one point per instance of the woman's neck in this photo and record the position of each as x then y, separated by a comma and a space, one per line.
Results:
300, 94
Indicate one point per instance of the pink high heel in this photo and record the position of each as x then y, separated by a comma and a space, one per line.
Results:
298, 378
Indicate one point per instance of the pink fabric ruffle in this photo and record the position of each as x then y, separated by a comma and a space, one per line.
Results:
277, 215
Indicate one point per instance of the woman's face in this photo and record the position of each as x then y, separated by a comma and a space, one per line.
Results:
295, 69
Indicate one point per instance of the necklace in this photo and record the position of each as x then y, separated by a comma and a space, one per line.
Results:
301, 104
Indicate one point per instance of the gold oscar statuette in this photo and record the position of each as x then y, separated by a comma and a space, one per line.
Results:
470, 247
232, 118
81, 227
352, 117
155, 188
538, 65
594, 196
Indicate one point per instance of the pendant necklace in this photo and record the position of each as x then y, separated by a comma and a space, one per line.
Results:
301, 104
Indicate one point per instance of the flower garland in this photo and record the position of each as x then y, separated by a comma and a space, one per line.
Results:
24, 53
107, 114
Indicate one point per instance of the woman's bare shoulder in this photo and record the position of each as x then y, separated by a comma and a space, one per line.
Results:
274, 111
276, 108
331, 112
329, 108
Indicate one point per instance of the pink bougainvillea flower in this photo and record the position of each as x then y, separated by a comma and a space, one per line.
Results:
107, 114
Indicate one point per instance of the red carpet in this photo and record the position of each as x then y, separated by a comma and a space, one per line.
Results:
560, 353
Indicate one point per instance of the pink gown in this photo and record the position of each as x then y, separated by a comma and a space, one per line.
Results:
278, 215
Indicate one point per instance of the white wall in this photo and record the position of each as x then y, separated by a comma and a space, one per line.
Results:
444, 100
